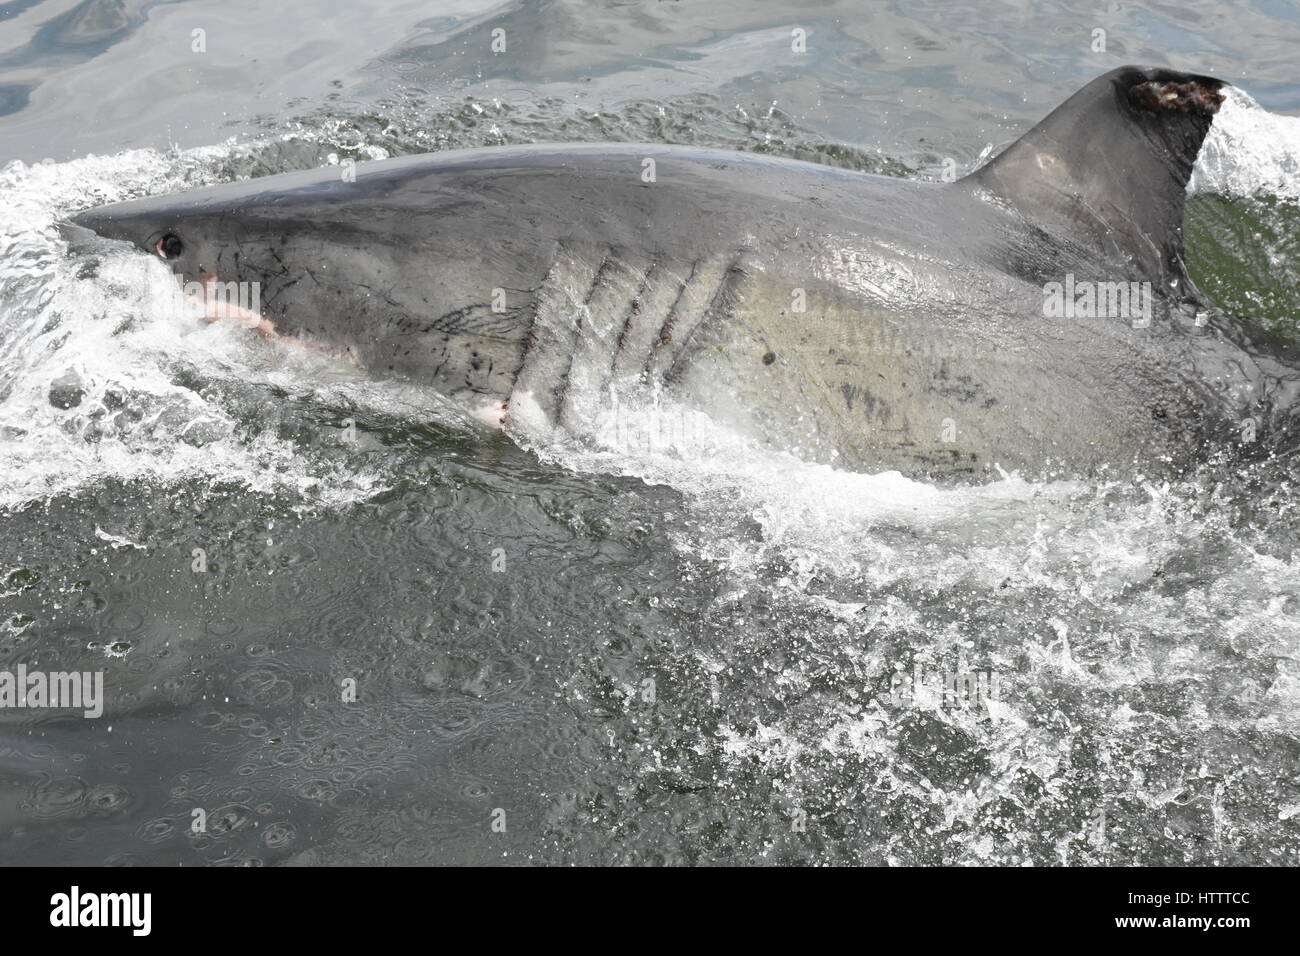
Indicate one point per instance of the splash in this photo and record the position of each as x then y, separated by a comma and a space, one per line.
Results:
1100, 612
1249, 153
1120, 623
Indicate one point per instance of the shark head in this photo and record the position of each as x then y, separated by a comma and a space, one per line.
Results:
293, 251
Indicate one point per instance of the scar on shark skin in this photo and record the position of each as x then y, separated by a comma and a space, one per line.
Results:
1191, 97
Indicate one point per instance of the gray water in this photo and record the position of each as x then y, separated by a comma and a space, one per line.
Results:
662, 646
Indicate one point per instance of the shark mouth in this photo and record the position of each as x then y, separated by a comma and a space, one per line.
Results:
216, 301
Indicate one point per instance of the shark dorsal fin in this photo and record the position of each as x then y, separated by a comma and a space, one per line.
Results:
1108, 168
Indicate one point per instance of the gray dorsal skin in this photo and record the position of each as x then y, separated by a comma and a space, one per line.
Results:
868, 322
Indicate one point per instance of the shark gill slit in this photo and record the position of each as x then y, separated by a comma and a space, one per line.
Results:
548, 349
586, 324
707, 276
724, 290
644, 320
613, 311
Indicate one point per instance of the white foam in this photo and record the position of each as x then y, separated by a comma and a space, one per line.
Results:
1249, 152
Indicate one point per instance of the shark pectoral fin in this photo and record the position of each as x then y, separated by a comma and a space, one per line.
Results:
1108, 168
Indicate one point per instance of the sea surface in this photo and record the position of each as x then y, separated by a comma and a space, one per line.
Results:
338, 624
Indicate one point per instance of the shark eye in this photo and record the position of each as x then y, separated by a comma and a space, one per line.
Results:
169, 246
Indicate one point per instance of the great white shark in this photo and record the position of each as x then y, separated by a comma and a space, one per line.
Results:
1034, 315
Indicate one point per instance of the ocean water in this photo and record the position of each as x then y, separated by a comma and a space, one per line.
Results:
659, 644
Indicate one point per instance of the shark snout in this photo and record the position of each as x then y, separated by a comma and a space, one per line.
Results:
78, 237
88, 232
